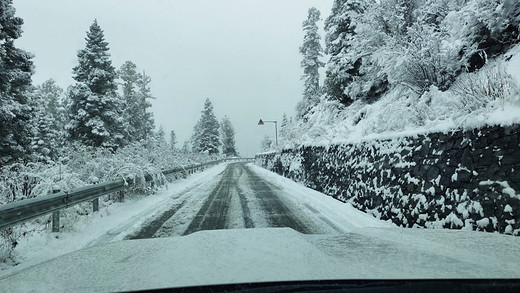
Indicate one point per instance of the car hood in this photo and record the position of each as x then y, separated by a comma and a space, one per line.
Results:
273, 254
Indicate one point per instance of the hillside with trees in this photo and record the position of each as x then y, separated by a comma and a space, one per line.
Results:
395, 66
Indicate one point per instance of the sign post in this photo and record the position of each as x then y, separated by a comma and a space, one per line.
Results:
261, 122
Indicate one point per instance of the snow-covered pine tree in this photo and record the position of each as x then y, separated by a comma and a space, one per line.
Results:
136, 93
285, 121
206, 136
339, 27
49, 120
228, 137
96, 116
173, 140
311, 51
129, 76
195, 137
186, 147
94, 65
161, 135
283, 126
146, 119
16, 69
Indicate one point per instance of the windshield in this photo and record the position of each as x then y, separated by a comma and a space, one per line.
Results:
193, 143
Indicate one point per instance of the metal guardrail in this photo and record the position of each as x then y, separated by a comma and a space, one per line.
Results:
21, 211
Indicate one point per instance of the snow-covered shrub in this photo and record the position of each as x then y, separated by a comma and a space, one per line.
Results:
79, 166
426, 59
8, 242
18, 181
375, 46
491, 83
318, 124
395, 113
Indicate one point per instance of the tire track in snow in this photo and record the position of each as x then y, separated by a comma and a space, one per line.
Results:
214, 212
149, 230
246, 213
277, 213
229, 204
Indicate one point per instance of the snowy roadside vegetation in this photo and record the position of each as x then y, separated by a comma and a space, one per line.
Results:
399, 67
81, 166
99, 129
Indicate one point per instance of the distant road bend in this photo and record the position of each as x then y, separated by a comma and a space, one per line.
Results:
238, 197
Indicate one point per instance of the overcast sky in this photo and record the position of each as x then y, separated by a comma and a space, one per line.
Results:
241, 54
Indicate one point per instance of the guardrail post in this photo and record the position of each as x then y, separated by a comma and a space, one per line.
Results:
95, 202
56, 214
95, 205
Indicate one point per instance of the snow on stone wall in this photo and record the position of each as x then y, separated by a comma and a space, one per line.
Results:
462, 179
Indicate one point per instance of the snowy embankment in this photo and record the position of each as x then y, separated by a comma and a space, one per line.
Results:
487, 97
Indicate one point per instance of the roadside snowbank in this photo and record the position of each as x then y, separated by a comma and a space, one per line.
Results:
341, 215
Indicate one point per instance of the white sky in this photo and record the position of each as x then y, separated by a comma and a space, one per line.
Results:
242, 54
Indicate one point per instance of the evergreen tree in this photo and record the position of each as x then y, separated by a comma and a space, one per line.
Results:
228, 137
96, 110
205, 136
186, 147
195, 137
49, 121
283, 126
311, 51
161, 135
341, 67
285, 121
16, 69
94, 65
146, 119
173, 139
128, 75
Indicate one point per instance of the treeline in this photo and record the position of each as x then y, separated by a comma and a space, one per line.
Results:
375, 46
211, 137
99, 128
105, 107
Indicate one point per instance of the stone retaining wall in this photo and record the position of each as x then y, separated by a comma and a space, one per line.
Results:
462, 179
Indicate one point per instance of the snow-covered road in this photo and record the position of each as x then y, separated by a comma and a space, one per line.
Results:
242, 196
254, 197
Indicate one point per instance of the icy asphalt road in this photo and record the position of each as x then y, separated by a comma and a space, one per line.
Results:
238, 197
